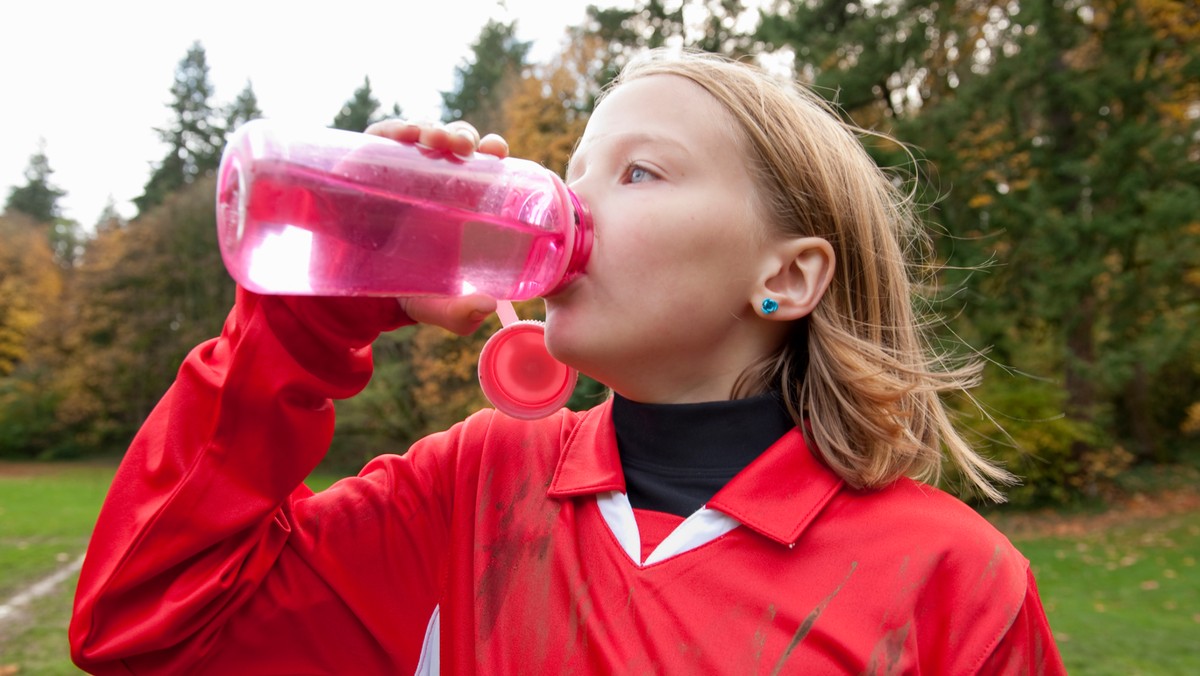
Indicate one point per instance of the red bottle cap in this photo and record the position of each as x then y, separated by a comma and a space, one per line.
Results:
519, 376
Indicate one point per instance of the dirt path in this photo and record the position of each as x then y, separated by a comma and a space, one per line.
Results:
12, 609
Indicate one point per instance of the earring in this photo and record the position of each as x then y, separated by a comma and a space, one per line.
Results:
769, 305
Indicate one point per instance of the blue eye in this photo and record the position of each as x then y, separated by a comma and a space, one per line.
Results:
636, 174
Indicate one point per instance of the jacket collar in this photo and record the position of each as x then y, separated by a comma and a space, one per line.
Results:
778, 495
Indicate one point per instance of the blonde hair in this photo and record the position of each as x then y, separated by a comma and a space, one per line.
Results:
858, 375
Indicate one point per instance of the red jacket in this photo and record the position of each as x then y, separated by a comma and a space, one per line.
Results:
503, 546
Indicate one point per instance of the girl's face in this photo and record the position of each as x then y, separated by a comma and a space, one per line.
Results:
665, 312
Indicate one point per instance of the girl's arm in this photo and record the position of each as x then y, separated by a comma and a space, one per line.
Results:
200, 509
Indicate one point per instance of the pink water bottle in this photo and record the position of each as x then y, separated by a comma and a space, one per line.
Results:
315, 211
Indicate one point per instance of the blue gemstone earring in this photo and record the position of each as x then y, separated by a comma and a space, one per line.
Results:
769, 306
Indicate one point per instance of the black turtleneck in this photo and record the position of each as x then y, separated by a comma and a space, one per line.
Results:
677, 456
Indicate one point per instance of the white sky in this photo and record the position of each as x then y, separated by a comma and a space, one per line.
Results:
93, 77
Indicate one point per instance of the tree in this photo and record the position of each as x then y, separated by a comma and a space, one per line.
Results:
885, 59
548, 108
146, 293
614, 35
30, 283
1065, 139
195, 138
110, 218
359, 112
243, 109
31, 293
39, 197
723, 27
483, 82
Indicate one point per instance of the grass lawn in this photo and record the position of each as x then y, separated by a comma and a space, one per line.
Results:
1120, 586
1125, 600
46, 515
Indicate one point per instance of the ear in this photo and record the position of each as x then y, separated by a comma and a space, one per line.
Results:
796, 275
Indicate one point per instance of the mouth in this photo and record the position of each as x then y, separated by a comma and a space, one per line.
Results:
564, 289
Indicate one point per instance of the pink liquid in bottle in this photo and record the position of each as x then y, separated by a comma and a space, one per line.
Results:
327, 212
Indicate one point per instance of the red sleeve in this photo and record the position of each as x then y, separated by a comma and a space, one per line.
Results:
202, 505
1028, 647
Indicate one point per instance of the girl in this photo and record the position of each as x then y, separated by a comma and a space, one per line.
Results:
741, 504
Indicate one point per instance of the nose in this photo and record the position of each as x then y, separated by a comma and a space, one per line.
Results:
576, 172
582, 194
574, 183
578, 187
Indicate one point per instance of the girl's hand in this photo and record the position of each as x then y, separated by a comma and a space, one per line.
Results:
459, 137
461, 315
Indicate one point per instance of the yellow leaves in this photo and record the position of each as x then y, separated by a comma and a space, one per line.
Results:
542, 126
1084, 56
1191, 276
1191, 423
31, 283
1171, 19
545, 110
981, 200
989, 148
1180, 111
444, 370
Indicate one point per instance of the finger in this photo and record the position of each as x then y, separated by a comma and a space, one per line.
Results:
435, 137
464, 137
458, 137
462, 315
396, 129
494, 144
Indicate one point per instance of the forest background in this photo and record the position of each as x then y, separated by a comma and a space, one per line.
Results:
1054, 146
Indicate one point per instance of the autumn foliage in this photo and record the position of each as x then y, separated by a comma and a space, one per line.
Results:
1059, 147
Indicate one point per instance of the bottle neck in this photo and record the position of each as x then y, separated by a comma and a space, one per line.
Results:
581, 248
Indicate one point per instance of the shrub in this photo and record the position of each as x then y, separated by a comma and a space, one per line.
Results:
1020, 422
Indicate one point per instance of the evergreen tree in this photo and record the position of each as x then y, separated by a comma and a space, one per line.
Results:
707, 25
110, 218
359, 112
485, 80
195, 138
243, 109
1061, 137
146, 293
38, 198
884, 59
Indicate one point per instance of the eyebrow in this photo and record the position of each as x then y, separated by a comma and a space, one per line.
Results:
622, 141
